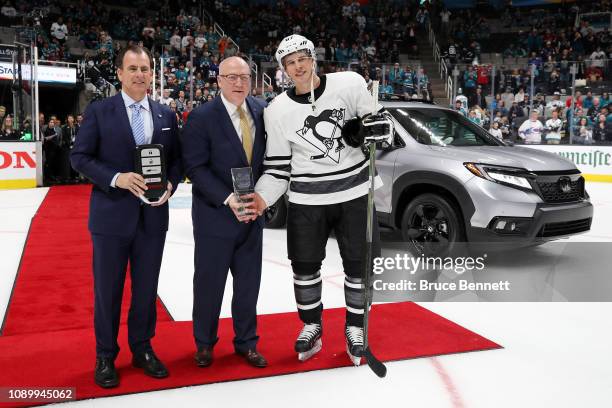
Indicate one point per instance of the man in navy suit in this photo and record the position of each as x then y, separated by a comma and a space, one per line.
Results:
122, 227
218, 136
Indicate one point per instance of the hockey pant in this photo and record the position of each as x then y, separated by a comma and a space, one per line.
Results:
308, 228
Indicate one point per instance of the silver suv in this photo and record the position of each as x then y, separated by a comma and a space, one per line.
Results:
447, 180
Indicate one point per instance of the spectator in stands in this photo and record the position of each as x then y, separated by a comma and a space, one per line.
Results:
587, 102
602, 131
175, 42
445, 21
531, 130
504, 126
396, 75
520, 95
548, 67
483, 72
577, 100
554, 82
181, 102
474, 118
525, 105
59, 31
478, 98
496, 131
148, 35
179, 118
106, 42
9, 14
555, 102
8, 132
469, 81
424, 85
459, 108
166, 99
501, 108
553, 128
598, 58
198, 98
583, 133
593, 111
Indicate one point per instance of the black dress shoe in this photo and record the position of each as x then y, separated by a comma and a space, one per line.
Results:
253, 358
152, 366
106, 376
204, 356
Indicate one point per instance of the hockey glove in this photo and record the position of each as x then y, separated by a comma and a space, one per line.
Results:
372, 128
378, 128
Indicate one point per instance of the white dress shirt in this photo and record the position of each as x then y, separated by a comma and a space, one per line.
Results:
147, 118
232, 111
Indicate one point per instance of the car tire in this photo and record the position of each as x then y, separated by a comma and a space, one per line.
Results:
432, 224
276, 214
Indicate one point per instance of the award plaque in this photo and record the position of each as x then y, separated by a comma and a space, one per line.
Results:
150, 162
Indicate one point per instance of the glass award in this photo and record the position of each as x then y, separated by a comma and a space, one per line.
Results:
242, 178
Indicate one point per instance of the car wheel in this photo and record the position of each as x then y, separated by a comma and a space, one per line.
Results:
432, 224
276, 215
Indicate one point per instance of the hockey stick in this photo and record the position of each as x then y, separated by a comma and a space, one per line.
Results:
374, 363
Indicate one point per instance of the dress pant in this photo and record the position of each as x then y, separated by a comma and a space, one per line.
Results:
214, 257
111, 254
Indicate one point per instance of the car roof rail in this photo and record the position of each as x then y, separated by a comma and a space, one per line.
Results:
403, 98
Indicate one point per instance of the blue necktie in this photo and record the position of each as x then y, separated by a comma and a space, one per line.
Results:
138, 129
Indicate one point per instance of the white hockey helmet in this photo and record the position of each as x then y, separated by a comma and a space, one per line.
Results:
294, 43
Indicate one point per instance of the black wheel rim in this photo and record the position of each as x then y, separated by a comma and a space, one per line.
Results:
429, 229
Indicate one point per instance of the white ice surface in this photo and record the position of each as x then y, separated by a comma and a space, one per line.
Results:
555, 354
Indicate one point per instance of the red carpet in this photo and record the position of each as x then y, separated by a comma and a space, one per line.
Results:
54, 284
48, 339
398, 331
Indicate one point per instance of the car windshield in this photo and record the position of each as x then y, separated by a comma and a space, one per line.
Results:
440, 127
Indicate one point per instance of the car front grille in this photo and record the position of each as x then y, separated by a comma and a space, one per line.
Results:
554, 229
561, 188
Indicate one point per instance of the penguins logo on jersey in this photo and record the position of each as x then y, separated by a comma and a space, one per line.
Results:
324, 132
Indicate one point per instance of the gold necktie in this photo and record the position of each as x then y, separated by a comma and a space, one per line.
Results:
247, 139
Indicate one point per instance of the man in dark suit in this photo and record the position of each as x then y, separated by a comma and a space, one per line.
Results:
224, 134
122, 227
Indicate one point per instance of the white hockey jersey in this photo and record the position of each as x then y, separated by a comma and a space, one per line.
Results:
304, 149
554, 129
531, 132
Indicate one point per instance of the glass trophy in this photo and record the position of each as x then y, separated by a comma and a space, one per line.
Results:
242, 178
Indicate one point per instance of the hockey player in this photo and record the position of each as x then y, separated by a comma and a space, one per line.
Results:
327, 182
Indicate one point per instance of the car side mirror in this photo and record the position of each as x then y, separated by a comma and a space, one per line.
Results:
398, 143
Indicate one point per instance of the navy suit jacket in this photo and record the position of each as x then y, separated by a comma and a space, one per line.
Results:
104, 147
211, 148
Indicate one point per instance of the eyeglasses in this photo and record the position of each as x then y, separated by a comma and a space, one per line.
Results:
233, 78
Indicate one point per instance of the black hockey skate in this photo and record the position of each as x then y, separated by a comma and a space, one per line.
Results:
354, 343
309, 341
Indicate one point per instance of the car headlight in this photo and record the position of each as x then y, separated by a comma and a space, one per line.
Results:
510, 176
